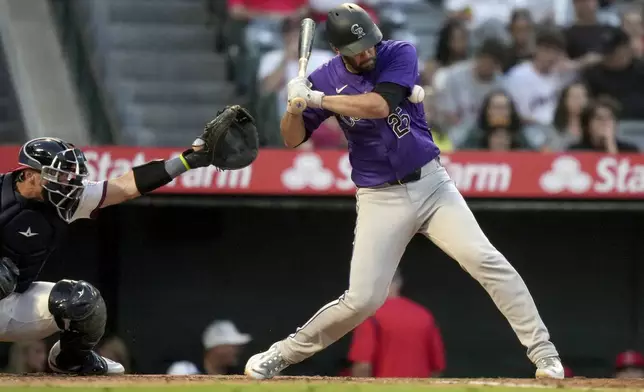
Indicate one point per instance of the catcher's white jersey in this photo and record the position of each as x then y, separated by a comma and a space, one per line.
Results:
26, 316
91, 200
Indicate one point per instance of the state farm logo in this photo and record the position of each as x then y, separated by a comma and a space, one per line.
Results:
479, 176
610, 174
103, 166
308, 171
566, 175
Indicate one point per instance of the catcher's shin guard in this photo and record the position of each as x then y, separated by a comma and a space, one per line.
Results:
79, 311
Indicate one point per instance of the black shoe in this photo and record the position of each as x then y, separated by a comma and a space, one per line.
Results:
90, 364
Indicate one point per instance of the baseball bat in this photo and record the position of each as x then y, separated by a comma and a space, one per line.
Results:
307, 31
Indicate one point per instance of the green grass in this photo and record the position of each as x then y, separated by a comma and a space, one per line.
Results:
279, 387
144, 383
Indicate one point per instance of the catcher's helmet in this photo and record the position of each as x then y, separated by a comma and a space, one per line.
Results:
62, 167
350, 29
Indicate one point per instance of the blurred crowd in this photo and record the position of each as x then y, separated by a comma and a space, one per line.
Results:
543, 75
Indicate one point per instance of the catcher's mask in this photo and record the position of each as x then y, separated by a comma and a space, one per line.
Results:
63, 168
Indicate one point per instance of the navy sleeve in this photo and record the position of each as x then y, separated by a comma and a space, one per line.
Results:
393, 93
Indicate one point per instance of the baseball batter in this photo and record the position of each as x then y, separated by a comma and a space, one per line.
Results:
49, 191
402, 189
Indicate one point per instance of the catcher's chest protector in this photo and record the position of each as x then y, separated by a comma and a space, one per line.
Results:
29, 231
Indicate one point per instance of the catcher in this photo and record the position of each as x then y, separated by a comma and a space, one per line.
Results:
49, 191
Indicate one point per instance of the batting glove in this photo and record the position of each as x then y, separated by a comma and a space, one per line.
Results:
301, 88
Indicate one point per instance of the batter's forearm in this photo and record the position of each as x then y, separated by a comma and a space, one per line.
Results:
368, 106
292, 129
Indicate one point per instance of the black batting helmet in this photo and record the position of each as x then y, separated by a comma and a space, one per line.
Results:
62, 167
349, 29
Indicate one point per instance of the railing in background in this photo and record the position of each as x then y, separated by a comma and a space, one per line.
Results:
101, 124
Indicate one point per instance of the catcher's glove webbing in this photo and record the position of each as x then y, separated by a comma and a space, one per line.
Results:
229, 142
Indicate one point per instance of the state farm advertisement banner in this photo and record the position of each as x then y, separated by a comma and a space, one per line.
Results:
328, 172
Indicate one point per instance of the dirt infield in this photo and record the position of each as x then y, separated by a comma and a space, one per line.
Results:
154, 380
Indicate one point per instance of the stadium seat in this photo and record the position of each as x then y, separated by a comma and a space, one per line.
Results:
158, 64
11, 125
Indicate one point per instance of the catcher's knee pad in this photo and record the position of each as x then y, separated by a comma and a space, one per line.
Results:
79, 311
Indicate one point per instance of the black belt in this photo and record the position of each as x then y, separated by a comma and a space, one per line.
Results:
411, 177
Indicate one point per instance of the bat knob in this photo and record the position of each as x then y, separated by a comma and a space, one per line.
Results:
296, 105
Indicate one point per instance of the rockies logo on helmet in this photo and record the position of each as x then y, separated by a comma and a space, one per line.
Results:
357, 30
351, 30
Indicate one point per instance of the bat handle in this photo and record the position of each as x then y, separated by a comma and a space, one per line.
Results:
297, 105
301, 70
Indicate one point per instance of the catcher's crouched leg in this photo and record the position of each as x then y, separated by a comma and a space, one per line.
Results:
80, 313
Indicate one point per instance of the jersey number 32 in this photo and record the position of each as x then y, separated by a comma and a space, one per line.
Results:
399, 122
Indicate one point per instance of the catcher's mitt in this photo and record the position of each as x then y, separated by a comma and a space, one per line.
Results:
229, 142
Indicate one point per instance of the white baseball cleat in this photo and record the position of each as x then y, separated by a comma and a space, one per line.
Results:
266, 365
90, 364
550, 367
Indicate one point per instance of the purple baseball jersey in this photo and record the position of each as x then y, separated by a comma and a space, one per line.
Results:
380, 150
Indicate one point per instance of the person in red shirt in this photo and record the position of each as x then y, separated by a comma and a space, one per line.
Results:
251, 9
629, 364
401, 340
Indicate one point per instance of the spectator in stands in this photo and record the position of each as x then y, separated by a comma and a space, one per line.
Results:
599, 129
263, 18
222, 344
439, 134
565, 11
585, 34
259, 9
566, 127
452, 46
546, 74
467, 83
619, 75
320, 9
498, 127
501, 139
490, 18
632, 25
27, 357
279, 66
400, 340
114, 348
522, 45
629, 364
476, 13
